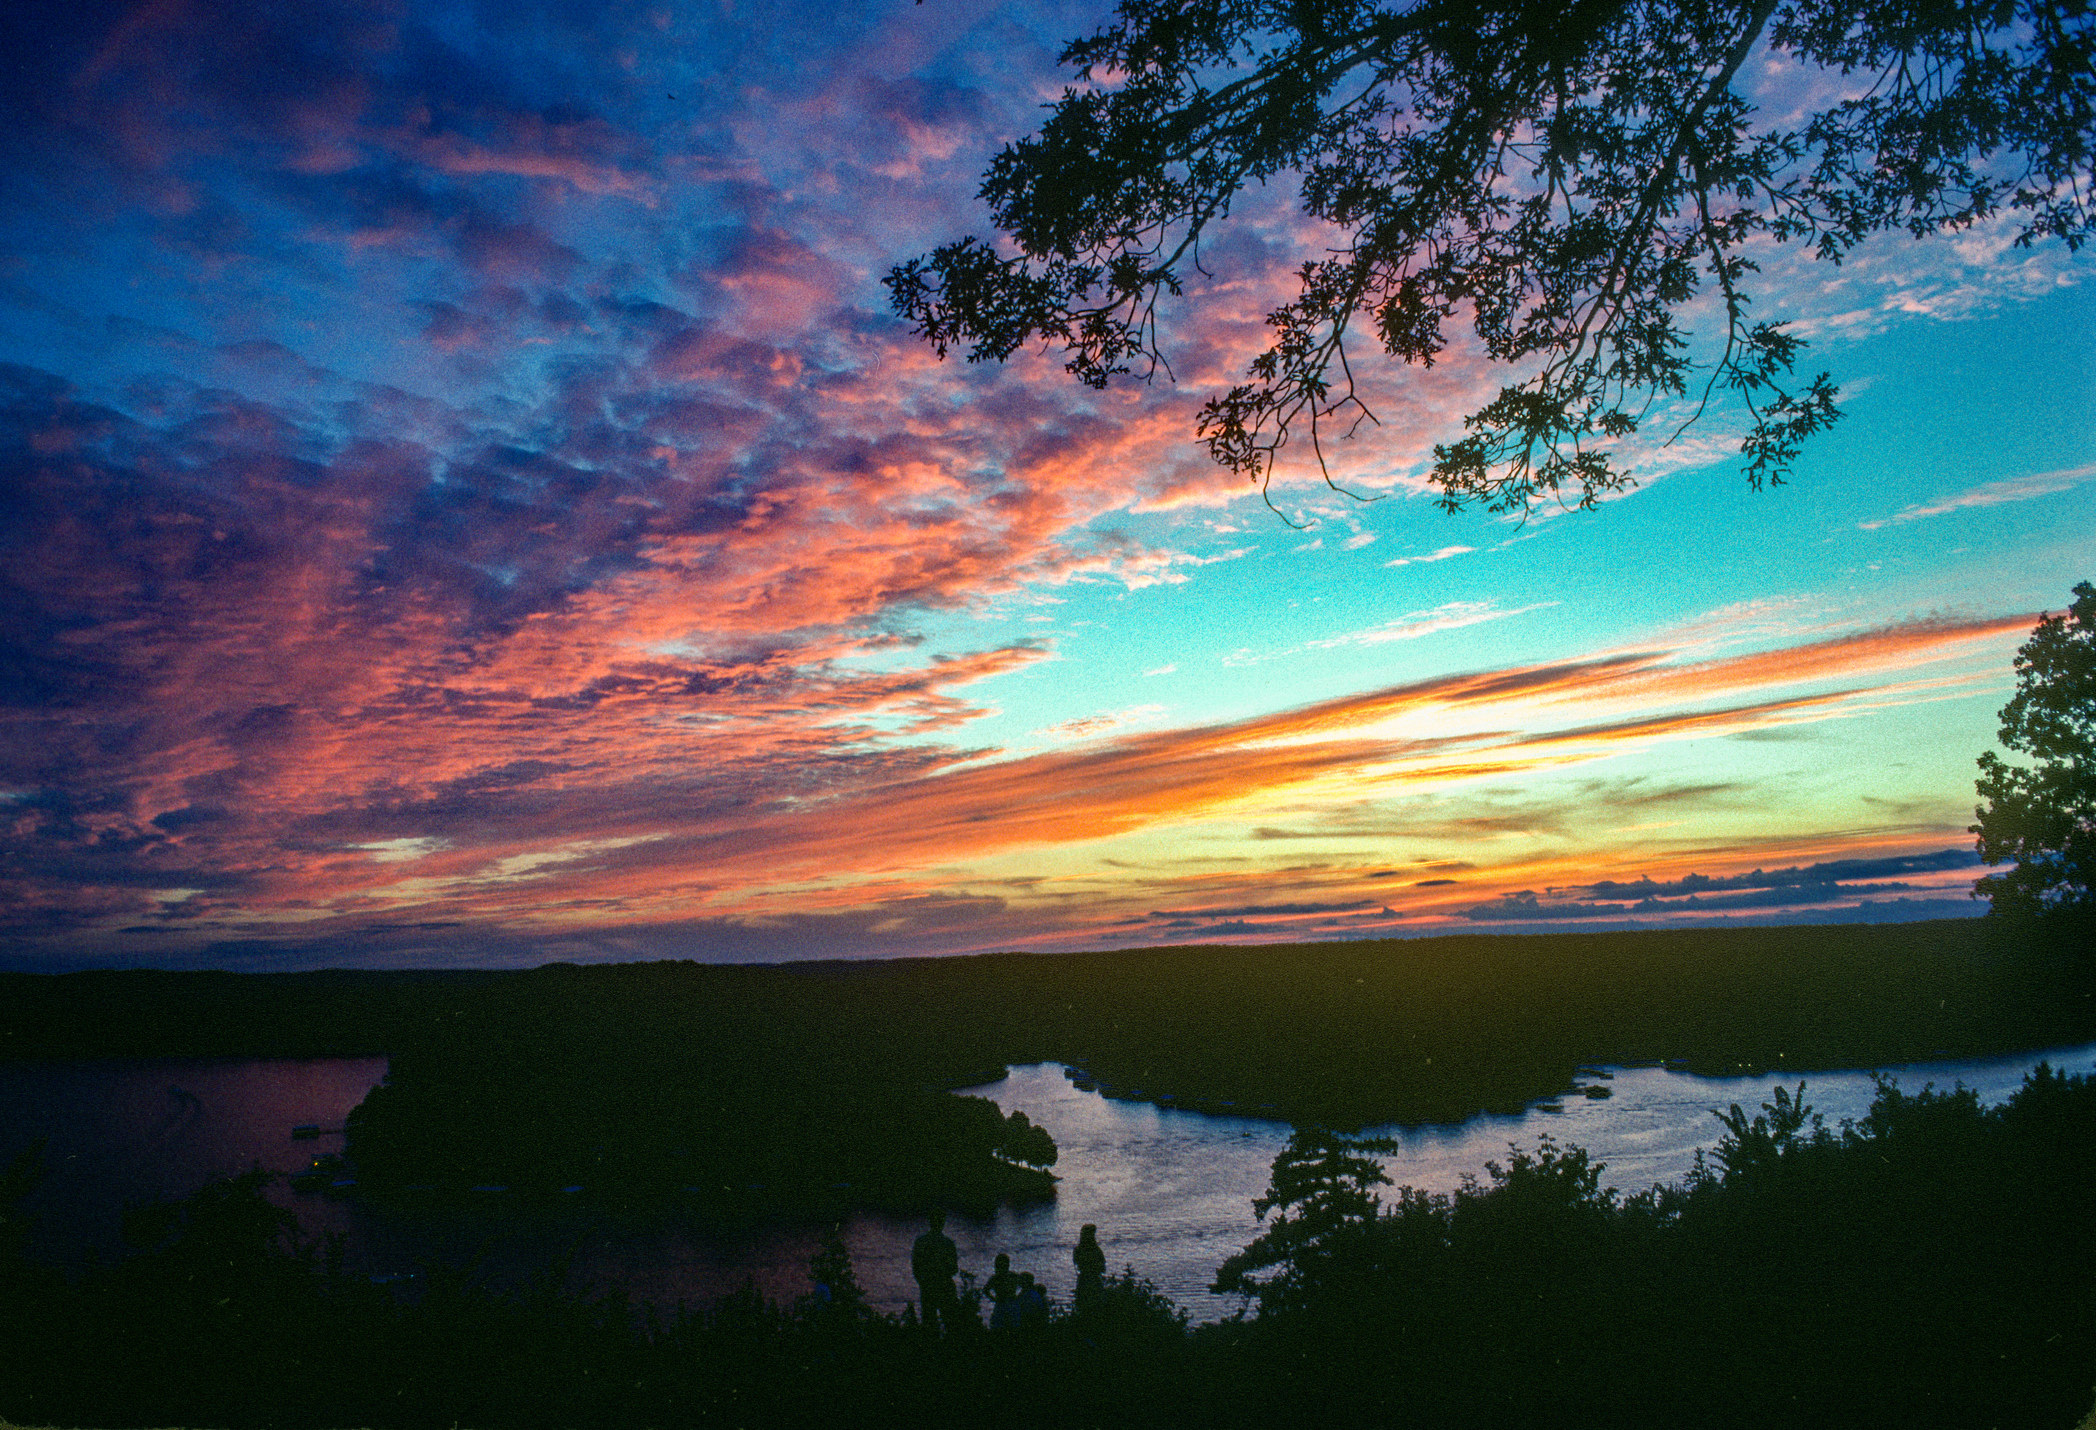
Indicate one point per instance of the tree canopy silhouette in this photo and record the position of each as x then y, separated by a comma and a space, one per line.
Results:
1568, 177
1323, 1196
2043, 817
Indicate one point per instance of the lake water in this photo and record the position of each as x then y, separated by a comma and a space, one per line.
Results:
1170, 1190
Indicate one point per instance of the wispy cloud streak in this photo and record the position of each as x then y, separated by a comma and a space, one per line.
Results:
2012, 489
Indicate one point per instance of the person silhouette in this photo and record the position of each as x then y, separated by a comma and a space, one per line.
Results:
1003, 1289
1032, 1302
935, 1261
1091, 1265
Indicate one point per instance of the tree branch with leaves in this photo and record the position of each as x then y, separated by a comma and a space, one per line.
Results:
1566, 177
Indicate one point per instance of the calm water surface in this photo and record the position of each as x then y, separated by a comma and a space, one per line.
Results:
1171, 1191
125, 1132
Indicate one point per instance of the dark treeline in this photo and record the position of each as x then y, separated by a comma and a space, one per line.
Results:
815, 1085
1929, 1266
1436, 1030
150, 1013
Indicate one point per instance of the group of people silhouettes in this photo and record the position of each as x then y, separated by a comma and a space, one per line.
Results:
1017, 1300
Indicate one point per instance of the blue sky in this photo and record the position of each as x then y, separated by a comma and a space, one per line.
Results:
468, 501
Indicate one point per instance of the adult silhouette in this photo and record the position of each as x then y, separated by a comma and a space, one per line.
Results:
935, 1261
1091, 1264
1003, 1289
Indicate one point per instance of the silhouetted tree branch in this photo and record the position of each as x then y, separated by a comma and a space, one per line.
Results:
1564, 176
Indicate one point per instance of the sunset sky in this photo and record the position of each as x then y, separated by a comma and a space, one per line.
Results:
465, 501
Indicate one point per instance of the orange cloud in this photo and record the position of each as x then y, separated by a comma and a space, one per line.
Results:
867, 830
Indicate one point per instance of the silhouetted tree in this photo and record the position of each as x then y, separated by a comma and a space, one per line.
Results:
1566, 176
2043, 817
838, 1298
1751, 1145
1322, 1194
1026, 1144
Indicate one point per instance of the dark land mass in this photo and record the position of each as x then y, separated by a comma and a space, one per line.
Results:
824, 1083
1929, 1268
152, 1013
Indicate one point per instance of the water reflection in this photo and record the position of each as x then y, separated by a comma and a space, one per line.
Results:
1171, 1191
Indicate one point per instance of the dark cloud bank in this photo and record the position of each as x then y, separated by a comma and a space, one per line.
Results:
1826, 883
